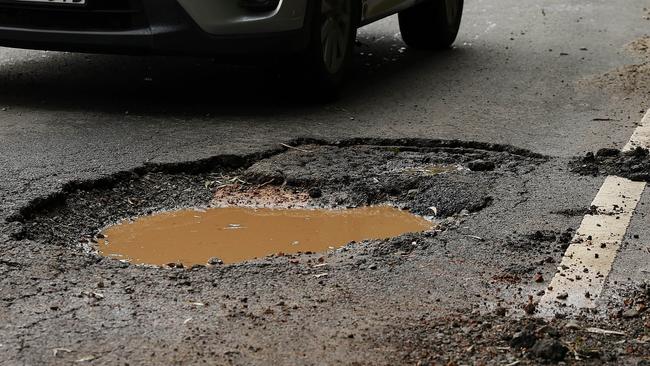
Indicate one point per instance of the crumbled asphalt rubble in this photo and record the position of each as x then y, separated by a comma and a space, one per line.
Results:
624, 339
547, 240
448, 180
633, 164
414, 178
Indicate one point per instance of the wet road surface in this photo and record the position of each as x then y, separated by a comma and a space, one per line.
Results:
554, 78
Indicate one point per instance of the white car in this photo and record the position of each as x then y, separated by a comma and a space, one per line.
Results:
320, 31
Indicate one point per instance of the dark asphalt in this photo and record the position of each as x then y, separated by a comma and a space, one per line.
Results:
520, 74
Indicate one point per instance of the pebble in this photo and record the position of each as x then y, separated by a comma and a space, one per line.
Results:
500, 311
215, 261
315, 192
550, 350
606, 151
630, 314
571, 324
523, 339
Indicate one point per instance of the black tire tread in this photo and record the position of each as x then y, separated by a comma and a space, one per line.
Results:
425, 26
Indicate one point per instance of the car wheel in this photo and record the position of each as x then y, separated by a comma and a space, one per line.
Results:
333, 33
432, 24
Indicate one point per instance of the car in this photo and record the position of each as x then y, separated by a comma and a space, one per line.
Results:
321, 32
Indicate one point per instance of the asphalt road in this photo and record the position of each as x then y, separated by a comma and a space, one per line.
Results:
530, 74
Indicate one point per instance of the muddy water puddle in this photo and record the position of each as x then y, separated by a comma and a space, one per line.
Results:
235, 234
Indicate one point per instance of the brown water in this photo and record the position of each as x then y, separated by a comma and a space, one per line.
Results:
235, 234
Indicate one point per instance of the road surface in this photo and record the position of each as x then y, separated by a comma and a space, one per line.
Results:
550, 79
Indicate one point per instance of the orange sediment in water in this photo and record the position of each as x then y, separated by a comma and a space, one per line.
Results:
235, 234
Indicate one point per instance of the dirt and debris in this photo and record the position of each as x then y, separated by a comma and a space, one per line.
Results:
633, 164
275, 297
495, 339
628, 79
640, 46
262, 195
554, 241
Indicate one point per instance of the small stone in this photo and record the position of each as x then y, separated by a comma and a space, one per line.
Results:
523, 339
572, 324
215, 261
606, 152
538, 278
372, 266
589, 157
315, 192
563, 296
530, 307
500, 311
481, 165
550, 350
549, 330
630, 314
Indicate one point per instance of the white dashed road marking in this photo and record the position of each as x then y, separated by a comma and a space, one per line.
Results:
641, 136
588, 260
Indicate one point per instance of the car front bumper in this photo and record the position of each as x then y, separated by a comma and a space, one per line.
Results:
196, 27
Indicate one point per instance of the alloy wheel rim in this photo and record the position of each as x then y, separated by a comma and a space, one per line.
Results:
335, 30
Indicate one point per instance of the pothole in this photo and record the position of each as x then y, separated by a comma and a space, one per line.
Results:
236, 234
353, 190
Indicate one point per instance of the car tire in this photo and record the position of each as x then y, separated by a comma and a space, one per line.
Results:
431, 25
333, 32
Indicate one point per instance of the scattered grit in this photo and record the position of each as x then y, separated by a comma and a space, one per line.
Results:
450, 179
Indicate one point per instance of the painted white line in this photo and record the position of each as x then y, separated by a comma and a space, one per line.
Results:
641, 136
587, 262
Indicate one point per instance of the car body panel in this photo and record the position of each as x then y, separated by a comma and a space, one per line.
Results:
377, 9
226, 17
199, 27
